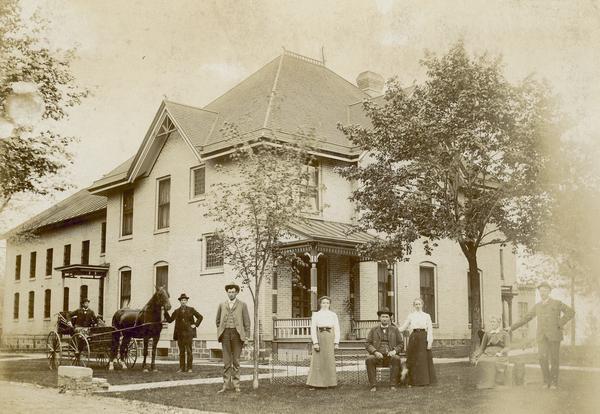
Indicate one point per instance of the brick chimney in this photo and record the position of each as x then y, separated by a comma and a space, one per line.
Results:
371, 83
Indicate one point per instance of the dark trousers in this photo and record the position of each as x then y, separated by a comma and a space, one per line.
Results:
232, 349
548, 353
185, 353
372, 362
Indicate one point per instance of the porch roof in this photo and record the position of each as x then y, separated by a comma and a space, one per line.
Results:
83, 271
328, 236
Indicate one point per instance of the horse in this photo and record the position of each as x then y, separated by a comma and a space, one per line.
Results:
143, 323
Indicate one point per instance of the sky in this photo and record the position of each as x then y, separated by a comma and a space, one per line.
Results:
132, 54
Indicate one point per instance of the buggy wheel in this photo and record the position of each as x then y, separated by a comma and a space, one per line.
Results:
131, 354
102, 359
53, 350
79, 350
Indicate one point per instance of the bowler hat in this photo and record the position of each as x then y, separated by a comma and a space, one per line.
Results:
232, 285
183, 296
544, 284
385, 311
84, 300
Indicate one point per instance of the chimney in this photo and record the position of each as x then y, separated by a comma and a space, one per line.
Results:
370, 83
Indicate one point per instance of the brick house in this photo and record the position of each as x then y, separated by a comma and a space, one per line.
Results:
142, 225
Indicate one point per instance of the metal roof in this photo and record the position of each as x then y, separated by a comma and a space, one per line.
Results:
315, 229
80, 204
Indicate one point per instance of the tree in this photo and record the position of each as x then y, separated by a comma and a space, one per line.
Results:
457, 157
36, 89
253, 212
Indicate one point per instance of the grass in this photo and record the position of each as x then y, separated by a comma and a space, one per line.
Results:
36, 372
455, 392
578, 356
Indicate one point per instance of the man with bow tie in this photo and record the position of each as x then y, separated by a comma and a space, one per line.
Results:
83, 317
187, 319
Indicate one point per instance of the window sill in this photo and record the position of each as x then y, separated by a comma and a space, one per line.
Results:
48, 277
123, 238
160, 231
32, 279
47, 319
197, 199
30, 319
102, 254
17, 280
435, 325
211, 271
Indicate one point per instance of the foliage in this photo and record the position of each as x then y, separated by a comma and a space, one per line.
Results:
458, 157
36, 89
252, 212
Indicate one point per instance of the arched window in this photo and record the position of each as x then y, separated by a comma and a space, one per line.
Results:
125, 287
428, 288
161, 275
47, 301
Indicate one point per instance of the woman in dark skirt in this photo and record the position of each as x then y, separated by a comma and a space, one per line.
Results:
418, 354
325, 334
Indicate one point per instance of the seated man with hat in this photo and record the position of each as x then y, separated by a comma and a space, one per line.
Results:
384, 344
83, 317
187, 319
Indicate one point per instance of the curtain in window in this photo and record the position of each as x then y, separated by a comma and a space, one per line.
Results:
164, 189
162, 277
127, 225
125, 288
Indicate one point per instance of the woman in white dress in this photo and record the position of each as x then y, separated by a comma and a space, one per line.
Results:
419, 358
325, 335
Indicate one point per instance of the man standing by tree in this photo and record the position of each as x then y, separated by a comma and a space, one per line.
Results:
233, 330
549, 331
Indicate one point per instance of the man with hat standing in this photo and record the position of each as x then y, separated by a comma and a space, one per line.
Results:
552, 315
384, 345
187, 319
83, 317
233, 330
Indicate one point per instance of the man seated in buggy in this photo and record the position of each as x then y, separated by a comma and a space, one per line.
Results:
84, 317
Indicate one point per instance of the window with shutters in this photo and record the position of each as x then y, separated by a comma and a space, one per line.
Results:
125, 289
49, 259
83, 293
16, 306
85, 252
127, 213
163, 203
66, 299
67, 255
31, 305
18, 267
32, 264
427, 275
197, 182
47, 301
103, 238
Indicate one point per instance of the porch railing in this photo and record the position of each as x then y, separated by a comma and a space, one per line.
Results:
291, 328
361, 328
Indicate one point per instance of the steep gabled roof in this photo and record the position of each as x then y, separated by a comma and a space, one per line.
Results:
80, 204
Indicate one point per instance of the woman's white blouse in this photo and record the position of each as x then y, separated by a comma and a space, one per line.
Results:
324, 319
419, 320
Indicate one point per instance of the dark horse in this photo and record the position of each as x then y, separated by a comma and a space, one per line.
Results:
135, 323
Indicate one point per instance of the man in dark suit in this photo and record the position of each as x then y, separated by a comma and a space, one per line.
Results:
83, 317
384, 345
187, 319
233, 330
552, 315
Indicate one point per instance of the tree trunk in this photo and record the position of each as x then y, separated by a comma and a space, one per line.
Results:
573, 307
256, 350
475, 292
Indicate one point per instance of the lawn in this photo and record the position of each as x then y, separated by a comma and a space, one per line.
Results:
36, 372
578, 356
455, 392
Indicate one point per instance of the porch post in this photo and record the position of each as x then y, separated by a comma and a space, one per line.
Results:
314, 259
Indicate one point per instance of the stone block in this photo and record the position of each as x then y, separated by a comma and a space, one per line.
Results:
81, 373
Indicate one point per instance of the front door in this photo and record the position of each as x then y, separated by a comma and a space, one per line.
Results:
301, 287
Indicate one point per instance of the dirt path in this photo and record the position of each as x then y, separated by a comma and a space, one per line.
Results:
26, 398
